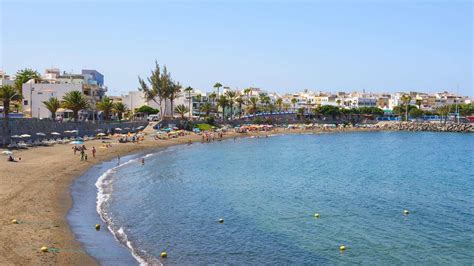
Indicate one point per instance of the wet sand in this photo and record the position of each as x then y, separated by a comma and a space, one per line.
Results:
36, 192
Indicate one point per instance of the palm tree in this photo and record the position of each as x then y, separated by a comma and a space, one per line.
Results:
106, 106
217, 86
223, 102
7, 94
206, 108
406, 98
279, 102
74, 101
181, 109
52, 105
231, 100
338, 102
174, 92
253, 102
247, 92
119, 108
23, 76
419, 102
444, 111
294, 101
240, 102
213, 97
189, 90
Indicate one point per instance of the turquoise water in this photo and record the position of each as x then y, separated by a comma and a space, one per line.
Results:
268, 189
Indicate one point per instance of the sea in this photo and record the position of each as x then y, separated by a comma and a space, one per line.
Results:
253, 201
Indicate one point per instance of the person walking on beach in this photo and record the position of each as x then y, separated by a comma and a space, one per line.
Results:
118, 159
83, 153
93, 151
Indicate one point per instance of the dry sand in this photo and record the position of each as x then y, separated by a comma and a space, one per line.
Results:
35, 191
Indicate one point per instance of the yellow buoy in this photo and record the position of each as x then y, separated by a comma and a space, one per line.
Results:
164, 254
316, 215
14, 221
44, 249
342, 248
97, 227
406, 212
221, 220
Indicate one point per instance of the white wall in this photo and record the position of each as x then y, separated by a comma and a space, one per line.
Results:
43, 92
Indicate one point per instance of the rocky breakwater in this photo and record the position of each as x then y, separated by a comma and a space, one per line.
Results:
426, 126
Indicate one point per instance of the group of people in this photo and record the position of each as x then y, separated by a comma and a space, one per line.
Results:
82, 149
211, 136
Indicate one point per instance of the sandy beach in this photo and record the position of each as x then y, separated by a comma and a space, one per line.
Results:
36, 192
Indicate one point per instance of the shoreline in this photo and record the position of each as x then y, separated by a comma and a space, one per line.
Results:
37, 192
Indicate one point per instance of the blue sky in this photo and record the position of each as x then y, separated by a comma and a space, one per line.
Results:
276, 45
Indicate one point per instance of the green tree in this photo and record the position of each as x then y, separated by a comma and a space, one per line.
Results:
154, 92
416, 112
24, 75
217, 86
240, 101
279, 102
206, 108
7, 94
147, 110
253, 105
52, 105
74, 101
173, 93
188, 91
106, 106
300, 112
231, 95
247, 92
223, 102
406, 98
182, 110
294, 101
444, 111
418, 103
213, 97
119, 108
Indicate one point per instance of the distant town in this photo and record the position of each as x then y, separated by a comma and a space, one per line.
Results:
54, 83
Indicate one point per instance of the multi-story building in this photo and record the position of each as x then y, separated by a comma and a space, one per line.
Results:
56, 84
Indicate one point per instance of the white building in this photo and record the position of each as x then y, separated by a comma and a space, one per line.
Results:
56, 85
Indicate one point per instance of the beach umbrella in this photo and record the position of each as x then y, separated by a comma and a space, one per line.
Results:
25, 136
118, 129
55, 133
140, 127
74, 131
77, 142
40, 134
16, 136
101, 134
67, 131
99, 129
7, 152
127, 128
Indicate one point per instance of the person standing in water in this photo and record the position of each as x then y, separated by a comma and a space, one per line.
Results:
118, 158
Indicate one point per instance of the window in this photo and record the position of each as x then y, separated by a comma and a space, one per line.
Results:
25, 102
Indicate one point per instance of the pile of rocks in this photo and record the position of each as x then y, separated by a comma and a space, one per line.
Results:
426, 126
